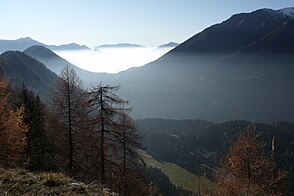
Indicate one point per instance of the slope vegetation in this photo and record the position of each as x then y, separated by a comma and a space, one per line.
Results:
20, 69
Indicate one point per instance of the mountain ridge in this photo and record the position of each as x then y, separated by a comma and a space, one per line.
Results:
225, 72
26, 42
170, 44
21, 69
119, 45
238, 69
56, 64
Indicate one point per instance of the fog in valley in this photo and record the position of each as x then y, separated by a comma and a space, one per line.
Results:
112, 60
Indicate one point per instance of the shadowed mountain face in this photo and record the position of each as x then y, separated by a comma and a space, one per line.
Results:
240, 32
239, 69
19, 69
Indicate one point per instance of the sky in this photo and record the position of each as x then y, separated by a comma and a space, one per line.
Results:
97, 22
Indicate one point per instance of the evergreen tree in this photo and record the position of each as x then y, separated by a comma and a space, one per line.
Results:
37, 145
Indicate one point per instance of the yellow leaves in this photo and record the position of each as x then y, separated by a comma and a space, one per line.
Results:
12, 132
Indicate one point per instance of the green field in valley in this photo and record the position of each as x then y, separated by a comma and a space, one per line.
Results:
176, 174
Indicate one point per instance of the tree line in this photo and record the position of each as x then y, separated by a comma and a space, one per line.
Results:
87, 134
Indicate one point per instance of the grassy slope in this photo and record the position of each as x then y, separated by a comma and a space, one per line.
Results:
20, 182
176, 174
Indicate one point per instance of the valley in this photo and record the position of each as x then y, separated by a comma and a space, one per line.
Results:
196, 107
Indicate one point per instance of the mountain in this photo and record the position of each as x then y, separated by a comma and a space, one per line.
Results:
241, 68
169, 45
56, 64
72, 46
19, 69
24, 43
19, 44
238, 32
119, 45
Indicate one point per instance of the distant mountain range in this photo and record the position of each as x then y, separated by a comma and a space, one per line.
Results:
72, 46
169, 45
119, 45
24, 43
129, 45
241, 68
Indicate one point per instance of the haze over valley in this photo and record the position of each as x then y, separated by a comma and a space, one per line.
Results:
147, 98
112, 59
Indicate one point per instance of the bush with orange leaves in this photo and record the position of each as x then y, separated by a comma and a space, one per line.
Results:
12, 132
248, 170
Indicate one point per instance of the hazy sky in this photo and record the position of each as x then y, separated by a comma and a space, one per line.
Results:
95, 22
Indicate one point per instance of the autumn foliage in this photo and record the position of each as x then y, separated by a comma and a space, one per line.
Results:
12, 132
248, 170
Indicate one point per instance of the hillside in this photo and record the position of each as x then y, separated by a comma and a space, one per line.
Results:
55, 63
176, 174
199, 146
238, 32
22, 182
19, 69
238, 69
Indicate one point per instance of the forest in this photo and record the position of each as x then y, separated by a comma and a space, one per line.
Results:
90, 136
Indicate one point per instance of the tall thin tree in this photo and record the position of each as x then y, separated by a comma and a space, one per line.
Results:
119, 140
67, 102
132, 160
106, 106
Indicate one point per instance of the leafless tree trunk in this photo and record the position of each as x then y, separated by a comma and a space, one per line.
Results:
119, 142
67, 101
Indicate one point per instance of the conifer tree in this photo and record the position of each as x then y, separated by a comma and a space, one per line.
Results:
120, 161
37, 145
106, 107
67, 104
131, 159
